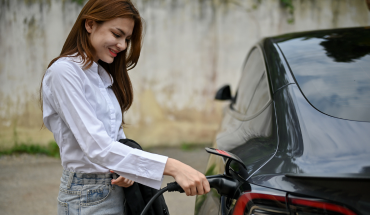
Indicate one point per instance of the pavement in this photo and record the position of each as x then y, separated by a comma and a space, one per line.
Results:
29, 184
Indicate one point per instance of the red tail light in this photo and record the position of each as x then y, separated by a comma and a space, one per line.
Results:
316, 206
260, 203
265, 203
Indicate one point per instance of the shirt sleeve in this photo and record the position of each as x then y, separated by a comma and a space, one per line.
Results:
67, 87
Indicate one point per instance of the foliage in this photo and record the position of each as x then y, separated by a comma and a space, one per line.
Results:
79, 2
288, 4
211, 170
51, 149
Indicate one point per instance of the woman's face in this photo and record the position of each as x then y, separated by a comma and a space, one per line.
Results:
110, 37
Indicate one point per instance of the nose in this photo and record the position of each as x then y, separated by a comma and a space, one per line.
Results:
122, 45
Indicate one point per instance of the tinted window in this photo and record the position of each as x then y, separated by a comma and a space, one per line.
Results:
247, 128
253, 92
332, 69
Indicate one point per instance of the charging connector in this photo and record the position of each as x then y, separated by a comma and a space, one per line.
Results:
225, 186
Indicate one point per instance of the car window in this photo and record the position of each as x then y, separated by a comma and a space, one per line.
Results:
332, 71
247, 128
253, 92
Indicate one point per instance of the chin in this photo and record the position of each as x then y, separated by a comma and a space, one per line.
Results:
108, 60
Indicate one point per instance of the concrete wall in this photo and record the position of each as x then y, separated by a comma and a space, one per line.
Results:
191, 48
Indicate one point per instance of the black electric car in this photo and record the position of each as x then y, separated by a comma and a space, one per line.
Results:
300, 123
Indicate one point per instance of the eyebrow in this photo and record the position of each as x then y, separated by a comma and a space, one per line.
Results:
122, 31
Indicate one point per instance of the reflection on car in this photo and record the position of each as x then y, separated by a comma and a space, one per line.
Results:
300, 122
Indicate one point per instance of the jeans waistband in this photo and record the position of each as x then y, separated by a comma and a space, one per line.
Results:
87, 178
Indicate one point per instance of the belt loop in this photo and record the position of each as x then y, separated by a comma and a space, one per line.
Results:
70, 178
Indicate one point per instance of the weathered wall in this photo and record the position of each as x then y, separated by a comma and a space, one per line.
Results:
191, 48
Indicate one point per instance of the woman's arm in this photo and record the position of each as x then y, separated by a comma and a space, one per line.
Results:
192, 181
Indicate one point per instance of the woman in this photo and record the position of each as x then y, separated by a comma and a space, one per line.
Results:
85, 92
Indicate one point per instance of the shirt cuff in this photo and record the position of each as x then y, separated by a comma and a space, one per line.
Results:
145, 181
142, 167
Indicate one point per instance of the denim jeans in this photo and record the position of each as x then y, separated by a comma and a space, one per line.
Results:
89, 194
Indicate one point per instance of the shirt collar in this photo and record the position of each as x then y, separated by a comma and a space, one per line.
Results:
104, 75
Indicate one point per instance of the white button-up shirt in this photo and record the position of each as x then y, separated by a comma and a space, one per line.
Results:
82, 111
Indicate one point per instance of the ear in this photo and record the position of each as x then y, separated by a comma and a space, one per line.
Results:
89, 25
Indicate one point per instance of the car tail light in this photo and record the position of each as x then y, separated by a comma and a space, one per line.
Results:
252, 203
260, 203
299, 205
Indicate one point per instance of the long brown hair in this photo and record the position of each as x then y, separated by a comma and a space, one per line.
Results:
78, 44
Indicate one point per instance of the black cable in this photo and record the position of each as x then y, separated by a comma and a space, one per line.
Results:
160, 192
223, 184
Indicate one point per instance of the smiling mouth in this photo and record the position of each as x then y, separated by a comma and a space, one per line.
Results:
114, 54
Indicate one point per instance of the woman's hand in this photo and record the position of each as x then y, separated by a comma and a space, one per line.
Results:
121, 181
192, 181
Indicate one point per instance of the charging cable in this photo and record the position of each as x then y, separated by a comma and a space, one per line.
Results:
225, 186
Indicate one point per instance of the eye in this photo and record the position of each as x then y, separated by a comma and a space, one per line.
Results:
128, 40
115, 35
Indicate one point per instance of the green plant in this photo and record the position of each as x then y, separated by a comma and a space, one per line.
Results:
288, 4
211, 170
51, 149
186, 146
79, 2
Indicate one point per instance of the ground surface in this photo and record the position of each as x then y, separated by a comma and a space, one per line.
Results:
29, 183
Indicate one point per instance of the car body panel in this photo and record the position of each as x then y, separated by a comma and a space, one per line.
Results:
279, 73
245, 146
316, 143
